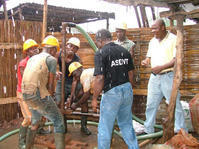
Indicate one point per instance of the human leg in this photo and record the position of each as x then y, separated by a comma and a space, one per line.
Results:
109, 106
26, 122
154, 98
84, 109
124, 117
47, 108
167, 82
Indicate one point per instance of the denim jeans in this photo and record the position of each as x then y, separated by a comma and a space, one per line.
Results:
116, 104
67, 90
159, 86
45, 107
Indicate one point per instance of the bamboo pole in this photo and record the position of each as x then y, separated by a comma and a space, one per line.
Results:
5, 10
63, 55
45, 13
107, 23
153, 13
137, 16
168, 125
144, 17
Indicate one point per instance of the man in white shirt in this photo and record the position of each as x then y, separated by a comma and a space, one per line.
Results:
161, 54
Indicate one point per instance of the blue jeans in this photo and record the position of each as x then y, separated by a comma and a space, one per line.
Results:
116, 104
159, 86
67, 90
45, 107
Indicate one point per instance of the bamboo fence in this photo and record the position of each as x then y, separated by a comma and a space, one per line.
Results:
13, 33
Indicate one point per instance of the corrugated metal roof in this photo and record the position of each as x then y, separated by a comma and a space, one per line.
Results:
56, 15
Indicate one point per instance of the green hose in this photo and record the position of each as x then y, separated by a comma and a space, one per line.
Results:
142, 122
85, 34
143, 137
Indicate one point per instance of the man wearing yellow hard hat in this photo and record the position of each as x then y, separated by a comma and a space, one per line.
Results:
38, 88
122, 40
30, 48
80, 96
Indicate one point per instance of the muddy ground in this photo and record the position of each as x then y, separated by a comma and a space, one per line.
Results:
74, 138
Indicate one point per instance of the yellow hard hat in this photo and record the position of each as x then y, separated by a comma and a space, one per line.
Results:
121, 25
29, 43
51, 41
73, 66
75, 41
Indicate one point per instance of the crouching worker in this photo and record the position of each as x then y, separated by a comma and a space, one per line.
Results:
80, 95
38, 88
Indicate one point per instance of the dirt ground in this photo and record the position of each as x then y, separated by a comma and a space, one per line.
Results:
74, 139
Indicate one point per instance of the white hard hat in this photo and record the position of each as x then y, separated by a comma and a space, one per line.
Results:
121, 25
75, 41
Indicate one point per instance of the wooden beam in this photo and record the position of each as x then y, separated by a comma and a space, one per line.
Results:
144, 17
171, 14
137, 16
8, 100
5, 10
153, 13
168, 125
149, 3
107, 23
10, 46
44, 27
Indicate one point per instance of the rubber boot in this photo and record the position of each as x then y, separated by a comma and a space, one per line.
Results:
84, 128
60, 140
30, 138
22, 137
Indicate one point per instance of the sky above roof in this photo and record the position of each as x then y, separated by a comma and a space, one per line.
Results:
122, 13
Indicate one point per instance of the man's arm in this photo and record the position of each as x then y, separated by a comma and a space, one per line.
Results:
97, 89
21, 69
72, 94
83, 99
146, 61
51, 64
130, 74
51, 84
158, 69
132, 51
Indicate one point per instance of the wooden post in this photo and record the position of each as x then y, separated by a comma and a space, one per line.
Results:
107, 23
63, 55
153, 13
144, 17
45, 13
168, 125
20, 14
137, 16
5, 10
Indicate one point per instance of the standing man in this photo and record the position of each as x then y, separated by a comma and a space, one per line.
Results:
38, 88
30, 48
123, 40
72, 47
114, 76
71, 84
161, 54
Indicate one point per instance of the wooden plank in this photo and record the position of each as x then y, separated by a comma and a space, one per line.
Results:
45, 13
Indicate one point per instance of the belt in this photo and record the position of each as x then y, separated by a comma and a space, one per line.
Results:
162, 73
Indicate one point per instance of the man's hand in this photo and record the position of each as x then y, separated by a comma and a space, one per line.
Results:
156, 69
145, 62
58, 75
69, 102
94, 105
